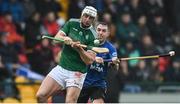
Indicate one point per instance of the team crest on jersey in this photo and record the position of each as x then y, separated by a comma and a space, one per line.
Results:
80, 33
114, 54
75, 29
87, 36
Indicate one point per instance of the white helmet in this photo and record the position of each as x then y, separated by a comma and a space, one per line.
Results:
90, 11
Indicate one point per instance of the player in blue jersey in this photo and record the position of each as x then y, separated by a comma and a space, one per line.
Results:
94, 86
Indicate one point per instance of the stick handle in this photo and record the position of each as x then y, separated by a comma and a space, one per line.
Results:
52, 38
95, 49
60, 40
139, 58
134, 58
144, 57
164, 55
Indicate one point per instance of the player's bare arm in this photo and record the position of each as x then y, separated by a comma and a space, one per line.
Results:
87, 56
99, 59
62, 35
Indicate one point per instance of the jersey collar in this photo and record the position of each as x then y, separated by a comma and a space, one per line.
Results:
85, 28
102, 42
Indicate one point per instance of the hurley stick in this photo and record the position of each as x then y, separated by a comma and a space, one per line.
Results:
95, 49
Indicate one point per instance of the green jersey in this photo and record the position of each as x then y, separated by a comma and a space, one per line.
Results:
70, 58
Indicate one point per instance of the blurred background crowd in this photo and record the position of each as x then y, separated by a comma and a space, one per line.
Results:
137, 27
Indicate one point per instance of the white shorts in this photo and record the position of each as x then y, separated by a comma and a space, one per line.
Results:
67, 78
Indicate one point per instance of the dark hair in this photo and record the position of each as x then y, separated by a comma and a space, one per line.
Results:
102, 23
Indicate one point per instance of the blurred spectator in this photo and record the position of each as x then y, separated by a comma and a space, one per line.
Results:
45, 6
63, 13
152, 7
160, 31
126, 29
5, 76
147, 72
42, 59
15, 7
147, 46
176, 43
28, 7
130, 51
4, 73
142, 25
14, 62
164, 63
32, 30
173, 73
50, 25
176, 14
155, 75
136, 9
1, 23
98, 4
3, 6
91, 2
8, 25
112, 28
24, 69
9, 62
75, 8
8, 53
142, 72
110, 8
128, 87
121, 7
168, 13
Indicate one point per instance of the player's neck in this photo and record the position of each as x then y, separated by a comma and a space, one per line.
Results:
84, 27
102, 42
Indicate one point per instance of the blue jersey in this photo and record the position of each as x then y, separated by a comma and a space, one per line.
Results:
97, 72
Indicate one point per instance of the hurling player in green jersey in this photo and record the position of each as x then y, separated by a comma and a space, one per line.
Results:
71, 71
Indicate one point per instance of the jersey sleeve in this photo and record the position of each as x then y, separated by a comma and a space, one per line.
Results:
66, 28
112, 51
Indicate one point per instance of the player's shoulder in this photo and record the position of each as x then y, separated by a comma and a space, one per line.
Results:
93, 31
75, 20
109, 45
